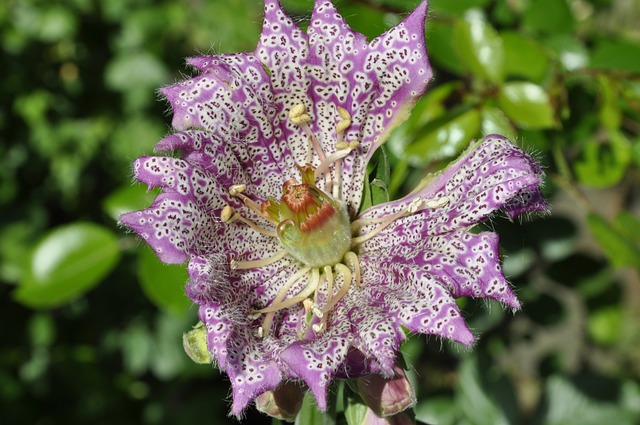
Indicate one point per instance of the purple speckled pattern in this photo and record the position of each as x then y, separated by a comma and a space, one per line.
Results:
232, 127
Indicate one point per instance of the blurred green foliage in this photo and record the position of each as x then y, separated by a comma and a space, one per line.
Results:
93, 322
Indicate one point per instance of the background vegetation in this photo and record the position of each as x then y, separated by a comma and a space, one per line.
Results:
92, 323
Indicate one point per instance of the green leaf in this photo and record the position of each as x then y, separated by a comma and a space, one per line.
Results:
527, 104
444, 137
438, 410
604, 164
128, 198
441, 49
609, 112
566, 405
569, 50
494, 121
355, 410
549, 16
68, 262
617, 247
310, 414
479, 47
524, 57
162, 283
476, 399
605, 325
131, 71
628, 225
455, 8
616, 55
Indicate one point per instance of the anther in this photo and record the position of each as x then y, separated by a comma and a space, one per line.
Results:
260, 332
318, 327
317, 311
237, 189
298, 114
345, 120
342, 145
227, 215
438, 203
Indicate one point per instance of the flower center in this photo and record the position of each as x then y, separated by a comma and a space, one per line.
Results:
312, 226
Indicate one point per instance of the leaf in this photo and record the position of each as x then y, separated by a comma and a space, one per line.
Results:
163, 283
310, 414
455, 8
549, 16
604, 164
565, 405
355, 410
628, 225
494, 121
524, 57
128, 198
527, 104
479, 47
605, 325
438, 410
68, 261
480, 402
441, 49
128, 71
444, 137
569, 50
615, 245
617, 55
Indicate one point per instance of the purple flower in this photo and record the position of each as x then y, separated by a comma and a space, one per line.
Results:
291, 283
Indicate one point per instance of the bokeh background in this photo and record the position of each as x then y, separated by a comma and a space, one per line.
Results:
92, 322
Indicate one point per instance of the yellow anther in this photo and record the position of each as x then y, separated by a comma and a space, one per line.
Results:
342, 146
227, 214
297, 111
438, 203
344, 114
236, 189
354, 144
301, 119
342, 125
345, 120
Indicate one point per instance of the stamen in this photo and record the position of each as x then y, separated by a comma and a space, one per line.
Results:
337, 155
317, 311
298, 116
268, 318
314, 141
345, 120
413, 207
228, 216
237, 191
243, 265
328, 273
353, 260
346, 275
278, 305
319, 327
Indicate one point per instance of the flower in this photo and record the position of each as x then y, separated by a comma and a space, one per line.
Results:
292, 284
